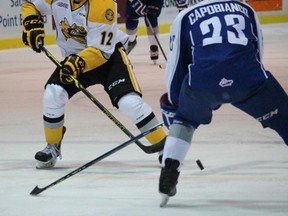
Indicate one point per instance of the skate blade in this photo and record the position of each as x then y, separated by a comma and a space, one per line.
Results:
45, 165
164, 199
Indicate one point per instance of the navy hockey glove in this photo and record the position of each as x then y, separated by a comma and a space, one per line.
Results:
139, 7
72, 65
168, 110
33, 32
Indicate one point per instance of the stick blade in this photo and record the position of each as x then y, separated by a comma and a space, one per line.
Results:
36, 191
156, 147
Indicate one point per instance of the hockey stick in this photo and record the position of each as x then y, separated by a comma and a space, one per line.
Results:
146, 149
155, 36
38, 190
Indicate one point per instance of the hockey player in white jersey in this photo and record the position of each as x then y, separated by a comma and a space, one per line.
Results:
215, 58
92, 47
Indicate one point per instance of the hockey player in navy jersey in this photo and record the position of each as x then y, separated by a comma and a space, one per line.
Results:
215, 58
92, 47
150, 9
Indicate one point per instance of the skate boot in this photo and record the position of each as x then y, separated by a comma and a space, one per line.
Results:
131, 46
47, 157
154, 54
168, 180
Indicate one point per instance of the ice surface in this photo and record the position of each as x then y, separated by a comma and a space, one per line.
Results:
245, 166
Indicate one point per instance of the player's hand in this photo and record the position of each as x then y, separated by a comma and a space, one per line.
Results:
33, 32
72, 65
168, 110
181, 4
139, 7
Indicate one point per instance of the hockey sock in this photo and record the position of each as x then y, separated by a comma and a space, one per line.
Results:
178, 142
151, 37
53, 136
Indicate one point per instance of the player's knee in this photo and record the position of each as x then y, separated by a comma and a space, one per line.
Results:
132, 24
153, 20
55, 96
132, 106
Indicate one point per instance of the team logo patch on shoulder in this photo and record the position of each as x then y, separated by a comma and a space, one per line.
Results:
109, 15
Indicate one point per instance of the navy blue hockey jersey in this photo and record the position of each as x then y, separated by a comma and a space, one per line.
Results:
218, 44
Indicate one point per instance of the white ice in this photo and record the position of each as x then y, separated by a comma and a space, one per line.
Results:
245, 165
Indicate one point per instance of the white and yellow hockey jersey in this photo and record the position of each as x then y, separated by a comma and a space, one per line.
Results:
88, 29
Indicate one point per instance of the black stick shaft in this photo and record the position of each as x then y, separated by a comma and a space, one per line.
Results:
38, 190
146, 149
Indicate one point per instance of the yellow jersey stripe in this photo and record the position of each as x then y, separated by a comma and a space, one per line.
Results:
130, 70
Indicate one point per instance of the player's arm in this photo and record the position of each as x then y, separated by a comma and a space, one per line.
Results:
35, 7
101, 38
101, 41
28, 9
33, 24
260, 37
175, 69
256, 29
174, 73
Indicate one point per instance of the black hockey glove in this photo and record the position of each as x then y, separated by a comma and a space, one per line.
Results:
33, 32
139, 7
72, 65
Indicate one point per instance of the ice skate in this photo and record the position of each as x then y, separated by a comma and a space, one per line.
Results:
168, 180
131, 46
47, 157
154, 54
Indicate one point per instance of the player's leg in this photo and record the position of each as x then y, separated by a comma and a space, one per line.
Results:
153, 30
131, 30
176, 147
56, 95
54, 100
125, 94
131, 25
195, 108
268, 105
